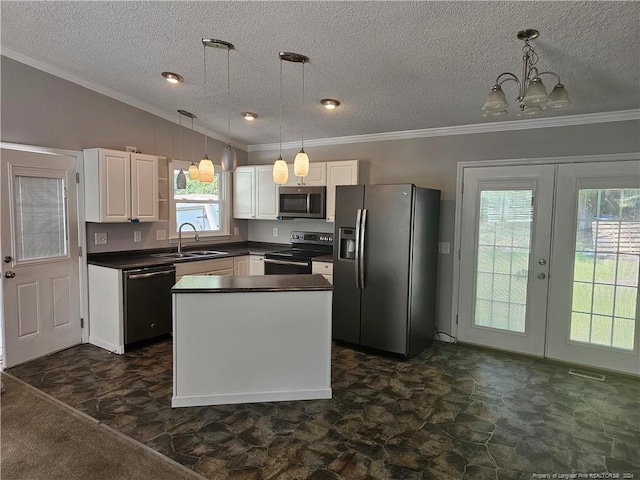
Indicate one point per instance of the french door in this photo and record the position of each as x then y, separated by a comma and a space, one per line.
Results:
549, 261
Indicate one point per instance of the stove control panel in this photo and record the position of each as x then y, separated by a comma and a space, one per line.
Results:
313, 238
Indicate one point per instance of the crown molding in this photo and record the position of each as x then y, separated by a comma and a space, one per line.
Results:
106, 91
565, 121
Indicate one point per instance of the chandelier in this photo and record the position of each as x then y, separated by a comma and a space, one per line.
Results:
532, 94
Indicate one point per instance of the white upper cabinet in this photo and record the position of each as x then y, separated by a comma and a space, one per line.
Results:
255, 195
317, 176
266, 194
346, 172
244, 188
120, 186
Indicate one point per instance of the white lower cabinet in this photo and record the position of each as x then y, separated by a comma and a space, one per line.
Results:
241, 265
256, 265
323, 268
218, 266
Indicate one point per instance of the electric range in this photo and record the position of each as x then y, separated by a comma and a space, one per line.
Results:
298, 258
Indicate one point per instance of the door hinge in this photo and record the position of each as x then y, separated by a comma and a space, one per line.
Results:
456, 318
77, 177
79, 251
462, 188
458, 254
82, 323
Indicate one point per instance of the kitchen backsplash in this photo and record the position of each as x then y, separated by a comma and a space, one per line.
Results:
263, 230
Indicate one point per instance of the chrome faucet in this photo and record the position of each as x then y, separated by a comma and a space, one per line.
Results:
180, 235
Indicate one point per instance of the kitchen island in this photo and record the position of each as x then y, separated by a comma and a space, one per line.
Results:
240, 339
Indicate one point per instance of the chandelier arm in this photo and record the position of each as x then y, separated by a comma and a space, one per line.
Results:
511, 77
533, 70
551, 73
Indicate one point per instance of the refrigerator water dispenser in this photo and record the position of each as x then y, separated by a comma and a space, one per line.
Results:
346, 244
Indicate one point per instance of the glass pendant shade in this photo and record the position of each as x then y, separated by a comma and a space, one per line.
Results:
530, 111
496, 100
206, 170
229, 159
558, 98
301, 164
535, 93
193, 171
494, 113
280, 171
181, 181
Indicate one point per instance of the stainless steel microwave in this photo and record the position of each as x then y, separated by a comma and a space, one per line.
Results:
302, 202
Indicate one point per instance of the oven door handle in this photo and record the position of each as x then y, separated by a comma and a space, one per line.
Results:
308, 203
286, 262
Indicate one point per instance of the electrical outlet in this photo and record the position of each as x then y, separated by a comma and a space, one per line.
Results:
101, 238
137, 236
275, 232
161, 234
131, 149
236, 231
444, 247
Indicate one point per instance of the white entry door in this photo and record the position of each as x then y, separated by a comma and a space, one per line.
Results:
569, 292
593, 298
39, 245
506, 240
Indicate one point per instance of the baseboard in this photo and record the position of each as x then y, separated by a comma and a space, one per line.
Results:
113, 348
229, 398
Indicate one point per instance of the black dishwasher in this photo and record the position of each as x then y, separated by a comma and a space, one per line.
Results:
147, 303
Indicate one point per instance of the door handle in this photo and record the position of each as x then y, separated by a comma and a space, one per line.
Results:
357, 253
9, 274
542, 276
7, 259
362, 239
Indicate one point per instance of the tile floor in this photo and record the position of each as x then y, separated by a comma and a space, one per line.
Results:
452, 412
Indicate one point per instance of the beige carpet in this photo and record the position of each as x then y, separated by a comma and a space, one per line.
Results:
43, 439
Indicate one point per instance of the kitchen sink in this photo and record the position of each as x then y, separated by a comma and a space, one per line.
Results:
191, 254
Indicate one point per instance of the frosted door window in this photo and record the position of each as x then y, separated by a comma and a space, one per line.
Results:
605, 276
40, 216
504, 243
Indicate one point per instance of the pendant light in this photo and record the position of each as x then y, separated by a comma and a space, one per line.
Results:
301, 162
193, 169
181, 180
229, 159
205, 169
280, 169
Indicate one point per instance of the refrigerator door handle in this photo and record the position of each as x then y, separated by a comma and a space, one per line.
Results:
357, 240
363, 232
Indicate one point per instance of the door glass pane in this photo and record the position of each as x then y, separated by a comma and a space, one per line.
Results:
504, 243
605, 277
40, 216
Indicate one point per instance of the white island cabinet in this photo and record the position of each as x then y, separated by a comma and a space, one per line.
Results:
244, 339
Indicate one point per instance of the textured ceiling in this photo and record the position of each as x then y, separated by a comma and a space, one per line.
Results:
395, 66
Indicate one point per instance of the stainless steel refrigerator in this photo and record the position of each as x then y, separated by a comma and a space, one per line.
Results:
385, 266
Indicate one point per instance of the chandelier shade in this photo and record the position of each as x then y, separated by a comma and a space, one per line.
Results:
558, 98
496, 100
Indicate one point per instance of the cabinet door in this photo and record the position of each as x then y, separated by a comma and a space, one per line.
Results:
317, 176
339, 173
244, 186
241, 265
266, 194
256, 265
144, 187
115, 186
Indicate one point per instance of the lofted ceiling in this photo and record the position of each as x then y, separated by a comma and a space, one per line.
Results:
394, 66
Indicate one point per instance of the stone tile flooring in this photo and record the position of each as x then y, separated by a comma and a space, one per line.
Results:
452, 412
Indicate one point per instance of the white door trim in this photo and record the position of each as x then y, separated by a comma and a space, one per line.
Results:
82, 227
509, 162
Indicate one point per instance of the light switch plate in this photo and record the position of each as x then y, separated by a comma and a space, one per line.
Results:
236, 231
101, 238
161, 234
137, 236
275, 232
444, 247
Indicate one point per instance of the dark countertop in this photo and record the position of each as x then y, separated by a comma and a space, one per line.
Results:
324, 258
145, 258
255, 283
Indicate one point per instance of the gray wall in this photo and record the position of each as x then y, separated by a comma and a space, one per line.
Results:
432, 162
44, 110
